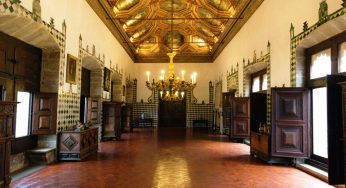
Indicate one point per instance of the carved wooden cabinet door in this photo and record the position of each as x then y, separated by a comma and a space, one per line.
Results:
44, 113
240, 117
94, 110
290, 123
336, 97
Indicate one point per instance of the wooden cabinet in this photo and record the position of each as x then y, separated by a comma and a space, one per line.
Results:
240, 120
260, 145
111, 127
7, 116
227, 111
288, 137
126, 115
77, 145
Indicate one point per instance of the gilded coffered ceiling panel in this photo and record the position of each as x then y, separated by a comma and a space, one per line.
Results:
197, 30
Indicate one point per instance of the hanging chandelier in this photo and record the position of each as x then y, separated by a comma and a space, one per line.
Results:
171, 88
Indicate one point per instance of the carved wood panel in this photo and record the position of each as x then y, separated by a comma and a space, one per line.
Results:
241, 107
7, 111
290, 123
28, 63
2, 159
44, 113
335, 107
94, 110
240, 127
2, 60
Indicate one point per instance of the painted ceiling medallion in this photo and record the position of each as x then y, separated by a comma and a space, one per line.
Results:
199, 29
173, 39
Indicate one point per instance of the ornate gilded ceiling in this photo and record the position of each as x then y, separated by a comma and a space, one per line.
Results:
197, 30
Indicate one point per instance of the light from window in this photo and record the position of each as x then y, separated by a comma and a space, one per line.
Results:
320, 64
256, 84
22, 116
264, 82
319, 110
342, 57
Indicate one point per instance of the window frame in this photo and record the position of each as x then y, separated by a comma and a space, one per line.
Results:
254, 75
333, 44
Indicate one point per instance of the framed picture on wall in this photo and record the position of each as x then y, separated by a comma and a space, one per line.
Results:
107, 80
71, 69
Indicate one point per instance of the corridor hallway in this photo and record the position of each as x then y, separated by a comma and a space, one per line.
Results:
169, 157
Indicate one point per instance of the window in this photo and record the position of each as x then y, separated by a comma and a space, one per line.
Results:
319, 120
259, 81
326, 58
320, 64
256, 84
342, 57
23, 114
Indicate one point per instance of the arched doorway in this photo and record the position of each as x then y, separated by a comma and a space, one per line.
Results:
91, 90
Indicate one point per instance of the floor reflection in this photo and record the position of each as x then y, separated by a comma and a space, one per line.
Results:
172, 172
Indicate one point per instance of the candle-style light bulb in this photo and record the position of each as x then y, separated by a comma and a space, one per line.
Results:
182, 74
161, 93
148, 76
163, 74
182, 94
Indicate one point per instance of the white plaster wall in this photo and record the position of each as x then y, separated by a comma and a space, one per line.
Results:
81, 19
271, 22
205, 73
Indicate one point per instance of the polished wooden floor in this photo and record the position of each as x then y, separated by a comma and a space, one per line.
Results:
169, 158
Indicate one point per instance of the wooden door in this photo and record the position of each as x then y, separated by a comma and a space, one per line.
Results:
44, 113
335, 107
172, 114
240, 127
290, 123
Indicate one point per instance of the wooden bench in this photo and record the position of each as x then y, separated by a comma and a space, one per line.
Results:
41, 156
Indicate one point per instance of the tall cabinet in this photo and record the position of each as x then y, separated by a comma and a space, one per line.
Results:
288, 137
7, 117
111, 127
343, 137
227, 111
